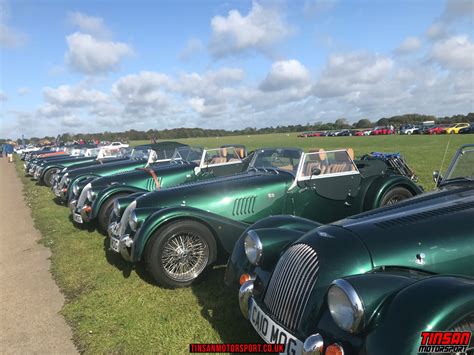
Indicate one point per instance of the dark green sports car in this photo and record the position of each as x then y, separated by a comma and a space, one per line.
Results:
368, 284
180, 231
141, 157
189, 164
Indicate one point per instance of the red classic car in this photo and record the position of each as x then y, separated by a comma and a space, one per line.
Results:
380, 130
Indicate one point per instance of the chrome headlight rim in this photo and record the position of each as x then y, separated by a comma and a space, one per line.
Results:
253, 247
75, 190
133, 221
345, 289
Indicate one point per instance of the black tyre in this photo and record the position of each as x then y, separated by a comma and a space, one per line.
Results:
466, 325
179, 253
395, 195
452, 132
48, 177
105, 211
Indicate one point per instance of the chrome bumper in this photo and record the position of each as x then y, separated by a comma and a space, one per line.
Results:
125, 243
37, 175
72, 205
57, 190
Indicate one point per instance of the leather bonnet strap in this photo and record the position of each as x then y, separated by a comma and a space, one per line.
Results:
153, 175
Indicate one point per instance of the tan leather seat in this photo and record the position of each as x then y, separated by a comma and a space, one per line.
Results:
286, 167
218, 160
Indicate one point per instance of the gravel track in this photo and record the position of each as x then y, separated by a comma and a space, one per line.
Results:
29, 298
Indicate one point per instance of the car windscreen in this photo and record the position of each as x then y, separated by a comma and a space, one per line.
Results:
323, 163
283, 159
187, 153
225, 155
462, 165
140, 153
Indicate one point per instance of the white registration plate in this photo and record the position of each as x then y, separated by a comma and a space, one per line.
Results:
77, 217
115, 244
271, 332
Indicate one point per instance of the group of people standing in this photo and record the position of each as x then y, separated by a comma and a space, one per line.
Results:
7, 150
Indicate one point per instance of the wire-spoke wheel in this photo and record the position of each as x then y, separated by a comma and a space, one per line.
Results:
394, 196
48, 177
177, 254
184, 256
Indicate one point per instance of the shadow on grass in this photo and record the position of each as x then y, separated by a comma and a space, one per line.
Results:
220, 307
124, 266
58, 201
88, 227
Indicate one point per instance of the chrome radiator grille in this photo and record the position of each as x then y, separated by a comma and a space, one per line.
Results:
291, 284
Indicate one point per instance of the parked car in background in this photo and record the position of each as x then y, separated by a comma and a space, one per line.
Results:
439, 129
409, 129
368, 284
456, 127
189, 164
467, 130
180, 231
116, 145
382, 130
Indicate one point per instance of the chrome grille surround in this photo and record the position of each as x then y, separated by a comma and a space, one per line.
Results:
83, 196
124, 219
291, 284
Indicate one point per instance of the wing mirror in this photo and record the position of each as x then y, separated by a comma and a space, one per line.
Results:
437, 177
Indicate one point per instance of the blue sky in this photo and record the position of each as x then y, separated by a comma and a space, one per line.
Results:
92, 66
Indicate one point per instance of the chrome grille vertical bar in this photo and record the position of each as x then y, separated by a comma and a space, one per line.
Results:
291, 283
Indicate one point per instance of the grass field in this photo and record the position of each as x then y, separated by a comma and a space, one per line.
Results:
113, 309
423, 153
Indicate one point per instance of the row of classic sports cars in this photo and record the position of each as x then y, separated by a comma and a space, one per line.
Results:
365, 282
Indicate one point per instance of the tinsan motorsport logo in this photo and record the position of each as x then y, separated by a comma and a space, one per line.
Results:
444, 342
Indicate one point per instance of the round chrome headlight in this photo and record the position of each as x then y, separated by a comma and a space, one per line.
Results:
253, 247
133, 221
345, 306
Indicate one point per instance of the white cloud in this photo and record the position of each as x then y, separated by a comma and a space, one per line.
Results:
71, 121
409, 45
259, 30
193, 46
89, 24
286, 74
73, 96
456, 9
346, 73
436, 31
455, 52
89, 55
23, 91
142, 94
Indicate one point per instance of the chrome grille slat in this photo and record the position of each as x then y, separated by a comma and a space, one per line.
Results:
290, 286
285, 275
290, 312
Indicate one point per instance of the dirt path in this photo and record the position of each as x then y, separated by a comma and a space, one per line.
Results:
29, 298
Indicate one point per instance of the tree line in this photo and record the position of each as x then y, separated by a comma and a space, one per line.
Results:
175, 133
